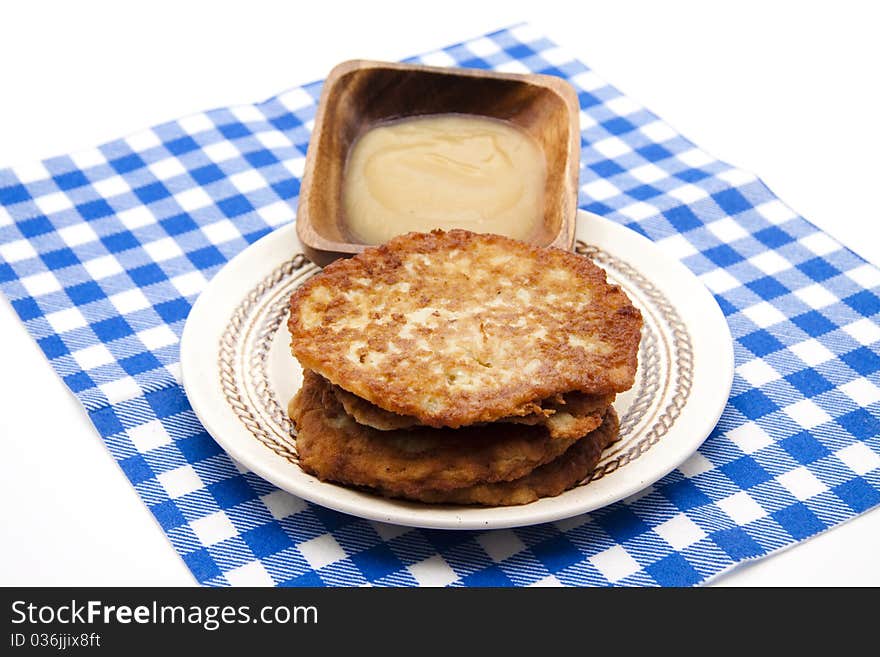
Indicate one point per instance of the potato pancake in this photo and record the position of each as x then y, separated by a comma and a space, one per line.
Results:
457, 328
566, 416
407, 462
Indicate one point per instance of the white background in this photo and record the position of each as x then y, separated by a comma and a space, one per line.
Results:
788, 91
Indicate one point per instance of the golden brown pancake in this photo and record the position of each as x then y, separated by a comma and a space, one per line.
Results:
457, 328
566, 416
333, 447
548, 480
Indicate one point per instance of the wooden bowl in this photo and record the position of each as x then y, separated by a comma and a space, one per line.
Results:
359, 94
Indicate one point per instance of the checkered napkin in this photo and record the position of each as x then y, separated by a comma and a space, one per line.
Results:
105, 250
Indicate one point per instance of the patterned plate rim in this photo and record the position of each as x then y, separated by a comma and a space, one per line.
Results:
273, 290
252, 288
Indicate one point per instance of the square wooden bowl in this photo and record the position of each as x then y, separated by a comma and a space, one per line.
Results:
359, 94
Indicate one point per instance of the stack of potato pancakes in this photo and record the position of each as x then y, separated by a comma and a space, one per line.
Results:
455, 367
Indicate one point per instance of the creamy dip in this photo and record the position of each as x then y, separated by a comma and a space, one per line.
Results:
443, 171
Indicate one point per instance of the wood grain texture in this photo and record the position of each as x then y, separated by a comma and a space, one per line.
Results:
358, 94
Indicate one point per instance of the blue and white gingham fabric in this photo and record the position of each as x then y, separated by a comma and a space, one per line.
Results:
103, 252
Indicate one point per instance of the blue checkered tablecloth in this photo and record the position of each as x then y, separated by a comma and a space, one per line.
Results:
102, 253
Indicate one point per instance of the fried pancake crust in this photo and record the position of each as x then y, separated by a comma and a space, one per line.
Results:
455, 328
548, 480
332, 446
571, 415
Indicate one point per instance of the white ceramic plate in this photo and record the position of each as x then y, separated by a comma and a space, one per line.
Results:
239, 375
